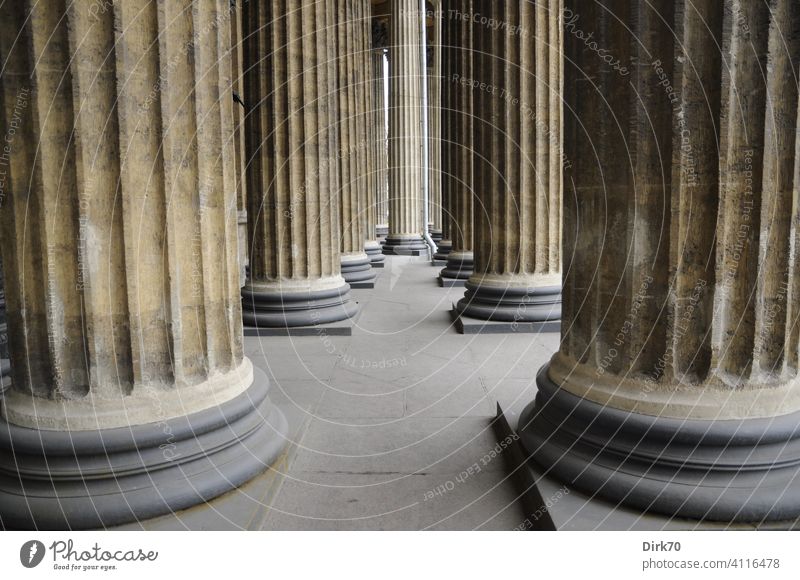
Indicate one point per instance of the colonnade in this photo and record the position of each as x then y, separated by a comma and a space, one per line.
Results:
166, 186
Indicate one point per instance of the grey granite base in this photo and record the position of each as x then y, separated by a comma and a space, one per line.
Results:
340, 328
368, 284
742, 471
469, 325
405, 246
511, 304
405, 252
551, 505
97, 479
274, 309
450, 282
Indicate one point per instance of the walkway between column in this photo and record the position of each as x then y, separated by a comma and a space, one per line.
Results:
390, 428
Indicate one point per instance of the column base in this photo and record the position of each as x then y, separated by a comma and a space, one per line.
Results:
405, 246
374, 251
357, 270
738, 471
460, 266
470, 325
276, 309
449, 282
436, 235
56, 480
381, 231
511, 304
549, 505
443, 249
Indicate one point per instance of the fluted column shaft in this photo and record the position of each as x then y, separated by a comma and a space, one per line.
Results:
379, 39
518, 165
144, 241
293, 176
239, 113
681, 303
5, 363
378, 214
457, 143
406, 148
373, 65
352, 56
119, 243
364, 65
434, 73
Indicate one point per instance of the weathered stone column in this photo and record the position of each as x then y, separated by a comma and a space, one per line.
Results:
353, 142
457, 138
517, 165
444, 243
406, 167
676, 386
379, 43
293, 170
376, 133
239, 113
5, 362
131, 395
434, 73
372, 246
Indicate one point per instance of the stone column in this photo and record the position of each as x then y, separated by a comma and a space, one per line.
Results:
239, 113
352, 102
131, 395
434, 73
405, 131
5, 363
374, 121
457, 146
293, 171
676, 386
517, 165
379, 42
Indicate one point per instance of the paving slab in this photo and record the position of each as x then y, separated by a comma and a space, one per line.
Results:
386, 425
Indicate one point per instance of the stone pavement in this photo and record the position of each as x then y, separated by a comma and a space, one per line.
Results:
386, 425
